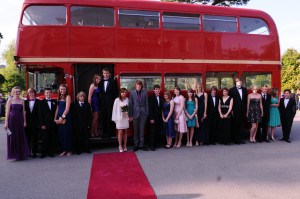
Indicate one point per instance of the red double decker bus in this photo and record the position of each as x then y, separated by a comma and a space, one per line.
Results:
171, 44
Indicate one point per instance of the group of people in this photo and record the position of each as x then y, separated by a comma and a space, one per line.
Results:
204, 118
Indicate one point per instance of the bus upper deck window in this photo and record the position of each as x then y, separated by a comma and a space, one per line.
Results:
44, 15
139, 19
92, 16
254, 26
213, 23
181, 21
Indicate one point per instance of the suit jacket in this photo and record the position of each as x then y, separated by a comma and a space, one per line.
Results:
155, 109
239, 105
212, 109
288, 112
32, 118
82, 116
266, 106
46, 116
108, 97
138, 107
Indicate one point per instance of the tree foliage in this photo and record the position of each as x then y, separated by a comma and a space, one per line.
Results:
11, 72
213, 2
290, 73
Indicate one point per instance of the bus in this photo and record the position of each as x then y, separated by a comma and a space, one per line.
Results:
170, 44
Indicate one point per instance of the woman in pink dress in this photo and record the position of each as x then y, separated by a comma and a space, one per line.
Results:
179, 116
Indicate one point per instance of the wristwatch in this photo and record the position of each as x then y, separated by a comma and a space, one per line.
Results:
63, 117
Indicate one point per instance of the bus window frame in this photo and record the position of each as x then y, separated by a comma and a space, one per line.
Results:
243, 78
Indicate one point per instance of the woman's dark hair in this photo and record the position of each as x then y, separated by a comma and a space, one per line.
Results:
273, 92
122, 90
187, 96
177, 88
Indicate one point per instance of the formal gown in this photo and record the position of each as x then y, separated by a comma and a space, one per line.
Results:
190, 108
120, 118
225, 123
95, 103
274, 114
17, 145
201, 133
168, 127
254, 114
180, 124
64, 130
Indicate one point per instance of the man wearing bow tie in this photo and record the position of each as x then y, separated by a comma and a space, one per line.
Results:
47, 108
287, 109
212, 115
32, 120
263, 125
109, 92
239, 109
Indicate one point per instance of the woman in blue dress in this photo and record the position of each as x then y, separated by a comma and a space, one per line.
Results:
17, 145
274, 120
63, 119
167, 117
191, 107
94, 101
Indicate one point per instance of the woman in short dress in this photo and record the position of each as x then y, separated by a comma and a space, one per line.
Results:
274, 119
254, 112
179, 116
94, 101
167, 117
120, 117
63, 119
17, 145
191, 106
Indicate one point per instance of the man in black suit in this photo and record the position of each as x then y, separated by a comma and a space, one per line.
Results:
155, 117
239, 109
109, 92
212, 115
263, 125
32, 121
81, 122
287, 109
47, 108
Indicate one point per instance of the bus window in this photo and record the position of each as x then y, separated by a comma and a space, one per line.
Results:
256, 78
92, 16
138, 19
149, 80
220, 79
41, 80
44, 15
183, 81
212, 23
181, 21
253, 26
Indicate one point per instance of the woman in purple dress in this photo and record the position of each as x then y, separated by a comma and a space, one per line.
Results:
17, 145
94, 101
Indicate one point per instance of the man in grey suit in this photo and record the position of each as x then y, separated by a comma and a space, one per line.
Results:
138, 113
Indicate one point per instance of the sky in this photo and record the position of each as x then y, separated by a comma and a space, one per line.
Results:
284, 13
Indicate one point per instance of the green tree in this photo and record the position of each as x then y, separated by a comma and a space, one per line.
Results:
213, 2
290, 73
11, 72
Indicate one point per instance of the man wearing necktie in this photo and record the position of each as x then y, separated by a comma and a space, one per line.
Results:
32, 120
239, 109
263, 125
213, 115
108, 93
287, 109
138, 113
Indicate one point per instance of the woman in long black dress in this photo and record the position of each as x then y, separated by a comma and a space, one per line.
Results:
225, 107
201, 96
63, 119
254, 112
17, 145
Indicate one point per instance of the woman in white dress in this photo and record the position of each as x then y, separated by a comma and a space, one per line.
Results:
120, 117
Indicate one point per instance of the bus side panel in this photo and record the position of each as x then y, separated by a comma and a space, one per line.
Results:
136, 43
43, 42
91, 42
182, 45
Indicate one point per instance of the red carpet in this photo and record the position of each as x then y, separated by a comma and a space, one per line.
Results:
118, 176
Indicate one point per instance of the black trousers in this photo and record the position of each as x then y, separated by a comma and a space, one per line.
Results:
237, 126
81, 140
32, 138
286, 127
48, 141
108, 126
155, 134
212, 128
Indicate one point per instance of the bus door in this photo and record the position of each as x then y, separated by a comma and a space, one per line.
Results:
84, 74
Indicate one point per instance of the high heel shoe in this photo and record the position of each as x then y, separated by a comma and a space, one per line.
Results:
121, 150
273, 138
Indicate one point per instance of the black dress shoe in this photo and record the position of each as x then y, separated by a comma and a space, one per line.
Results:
144, 148
152, 148
88, 152
282, 139
266, 140
288, 141
43, 156
51, 155
136, 148
33, 155
242, 142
